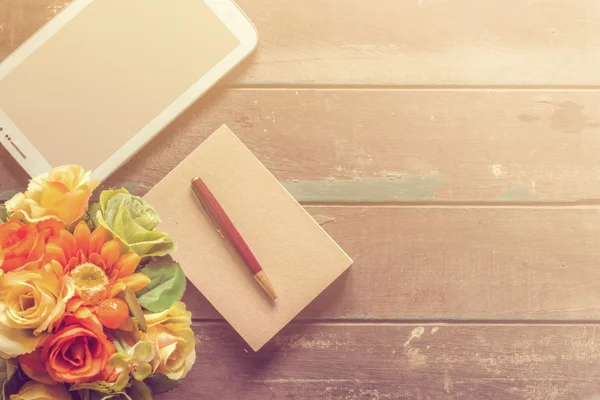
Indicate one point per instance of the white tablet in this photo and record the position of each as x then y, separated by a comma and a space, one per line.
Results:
103, 77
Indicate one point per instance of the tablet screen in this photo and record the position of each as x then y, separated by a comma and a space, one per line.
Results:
108, 72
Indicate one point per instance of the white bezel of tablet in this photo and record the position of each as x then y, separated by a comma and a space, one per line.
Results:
34, 163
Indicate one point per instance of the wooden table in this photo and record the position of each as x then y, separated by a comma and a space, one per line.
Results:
452, 147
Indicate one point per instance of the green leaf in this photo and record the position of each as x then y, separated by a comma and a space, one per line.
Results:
114, 396
3, 214
139, 391
160, 383
167, 284
134, 307
85, 392
90, 216
118, 396
98, 386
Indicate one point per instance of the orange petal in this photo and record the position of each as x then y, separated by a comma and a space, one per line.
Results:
54, 252
34, 366
55, 267
83, 313
73, 304
75, 204
82, 236
127, 264
135, 282
68, 244
37, 250
97, 240
109, 374
50, 228
117, 288
110, 252
113, 275
58, 186
81, 257
127, 327
97, 260
13, 263
73, 262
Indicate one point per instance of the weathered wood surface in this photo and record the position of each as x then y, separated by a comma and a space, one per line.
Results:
394, 145
391, 42
458, 264
414, 123
389, 361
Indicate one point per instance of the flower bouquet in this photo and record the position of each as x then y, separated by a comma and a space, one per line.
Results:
90, 300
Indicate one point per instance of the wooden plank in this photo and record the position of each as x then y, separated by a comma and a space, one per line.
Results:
392, 145
399, 146
419, 42
380, 361
20, 19
458, 264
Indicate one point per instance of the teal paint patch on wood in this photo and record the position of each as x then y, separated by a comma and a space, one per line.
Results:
517, 194
404, 188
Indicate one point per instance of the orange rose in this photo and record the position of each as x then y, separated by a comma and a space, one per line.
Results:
50, 228
33, 365
22, 245
78, 352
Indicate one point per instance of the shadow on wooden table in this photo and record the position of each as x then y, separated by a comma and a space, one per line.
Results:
12, 175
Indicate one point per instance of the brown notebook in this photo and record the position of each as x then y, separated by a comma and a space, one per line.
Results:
299, 257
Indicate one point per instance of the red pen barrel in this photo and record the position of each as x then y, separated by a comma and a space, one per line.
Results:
223, 223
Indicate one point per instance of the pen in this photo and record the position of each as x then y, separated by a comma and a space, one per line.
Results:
223, 224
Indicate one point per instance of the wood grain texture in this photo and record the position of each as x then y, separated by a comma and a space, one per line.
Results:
21, 19
458, 263
398, 145
390, 42
382, 361
391, 145
453, 255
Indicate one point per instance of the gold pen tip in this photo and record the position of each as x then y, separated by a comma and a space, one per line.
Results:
265, 283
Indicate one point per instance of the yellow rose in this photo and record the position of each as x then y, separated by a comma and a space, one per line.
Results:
175, 344
38, 391
63, 194
33, 299
30, 302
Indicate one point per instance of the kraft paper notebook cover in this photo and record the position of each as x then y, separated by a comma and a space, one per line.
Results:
299, 257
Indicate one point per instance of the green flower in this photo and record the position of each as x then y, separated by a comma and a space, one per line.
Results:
136, 362
132, 220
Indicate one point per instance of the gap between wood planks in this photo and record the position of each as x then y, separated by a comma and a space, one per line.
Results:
406, 88
577, 205
543, 205
443, 321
